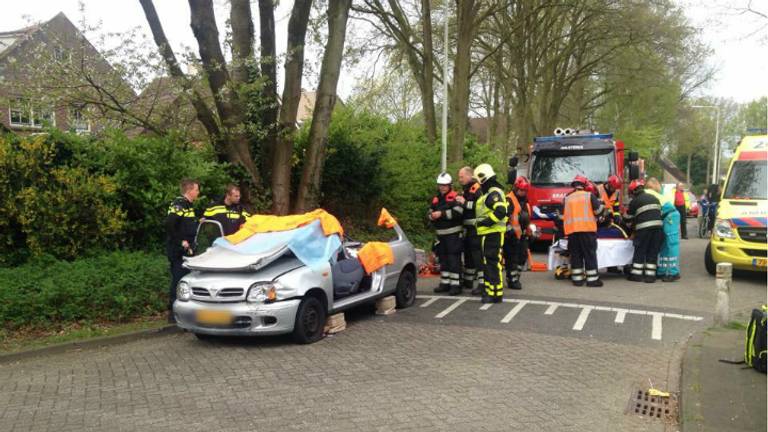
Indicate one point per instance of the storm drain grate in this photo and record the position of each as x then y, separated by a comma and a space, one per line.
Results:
655, 407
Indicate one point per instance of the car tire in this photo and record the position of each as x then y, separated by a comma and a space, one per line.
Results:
310, 321
709, 263
405, 294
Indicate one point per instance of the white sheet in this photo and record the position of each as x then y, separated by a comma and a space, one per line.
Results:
610, 252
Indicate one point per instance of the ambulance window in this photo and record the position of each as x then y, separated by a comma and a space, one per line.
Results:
747, 180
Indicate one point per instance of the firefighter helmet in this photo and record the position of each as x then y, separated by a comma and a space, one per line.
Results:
614, 181
636, 184
590, 187
444, 179
580, 179
522, 184
483, 172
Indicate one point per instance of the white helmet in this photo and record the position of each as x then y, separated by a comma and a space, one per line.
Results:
483, 172
444, 179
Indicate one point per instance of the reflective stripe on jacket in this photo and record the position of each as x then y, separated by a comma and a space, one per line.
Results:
484, 212
514, 218
578, 213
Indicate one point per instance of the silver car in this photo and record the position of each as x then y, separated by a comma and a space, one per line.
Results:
273, 292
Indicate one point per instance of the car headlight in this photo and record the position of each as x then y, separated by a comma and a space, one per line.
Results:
263, 292
724, 229
183, 291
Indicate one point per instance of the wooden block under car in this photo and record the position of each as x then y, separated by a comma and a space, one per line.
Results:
335, 323
385, 306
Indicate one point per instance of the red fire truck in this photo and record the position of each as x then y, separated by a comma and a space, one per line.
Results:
555, 160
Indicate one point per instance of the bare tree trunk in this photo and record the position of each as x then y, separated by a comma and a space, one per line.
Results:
294, 67
203, 113
428, 92
461, 70
309, 187
231, 113
688, 169
267, 59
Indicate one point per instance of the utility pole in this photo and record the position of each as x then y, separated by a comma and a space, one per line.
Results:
716, 158
444, 154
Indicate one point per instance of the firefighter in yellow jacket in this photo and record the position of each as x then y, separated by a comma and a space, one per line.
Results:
491, 214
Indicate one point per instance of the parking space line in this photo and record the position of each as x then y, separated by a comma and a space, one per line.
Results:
486, 306
551, 309
582, 319
430, 301
450, 308
520, 305
620, 315
656, 325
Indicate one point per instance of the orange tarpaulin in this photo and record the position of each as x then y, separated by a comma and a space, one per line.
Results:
267, 223
385, 219
375, 255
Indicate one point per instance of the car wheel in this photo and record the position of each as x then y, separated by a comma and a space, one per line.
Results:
709, 263
405, 295
310, 321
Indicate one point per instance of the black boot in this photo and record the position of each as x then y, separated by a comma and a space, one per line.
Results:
671, 278
577, 283
596, 284
442, 288
486, 299
635, 278
515, 285
476, 291
455, 290
650, 279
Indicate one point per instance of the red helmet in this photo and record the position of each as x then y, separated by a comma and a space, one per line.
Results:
522, 183
580, 179
615, 182
590, 187
635, 184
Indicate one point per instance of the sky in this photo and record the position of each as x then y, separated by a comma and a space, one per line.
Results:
739, 40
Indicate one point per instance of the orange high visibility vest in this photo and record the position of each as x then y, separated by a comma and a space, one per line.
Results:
514, 220
579, 216
608, 201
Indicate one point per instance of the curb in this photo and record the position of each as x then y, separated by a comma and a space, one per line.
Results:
97, 342
689, 408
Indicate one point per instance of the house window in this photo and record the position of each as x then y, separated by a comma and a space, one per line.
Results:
24, 114
78, 121
62, 55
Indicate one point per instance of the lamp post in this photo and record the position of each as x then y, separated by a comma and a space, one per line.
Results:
444, 153
716, 161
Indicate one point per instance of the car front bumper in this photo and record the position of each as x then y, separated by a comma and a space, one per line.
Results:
743, 255
249, 319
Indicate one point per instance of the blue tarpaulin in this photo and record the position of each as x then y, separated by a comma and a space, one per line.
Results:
308, 244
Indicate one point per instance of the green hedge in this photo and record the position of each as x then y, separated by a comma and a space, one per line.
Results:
115, 286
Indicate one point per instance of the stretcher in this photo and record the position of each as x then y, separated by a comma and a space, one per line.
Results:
610, 253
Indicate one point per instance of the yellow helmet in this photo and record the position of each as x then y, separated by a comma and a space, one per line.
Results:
483, 172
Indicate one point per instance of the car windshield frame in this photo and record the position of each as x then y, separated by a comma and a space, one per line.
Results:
566, 179
755, 181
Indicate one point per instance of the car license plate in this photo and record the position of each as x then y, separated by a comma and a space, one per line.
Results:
214, 317
760, 262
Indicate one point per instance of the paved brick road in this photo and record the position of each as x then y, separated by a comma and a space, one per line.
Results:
381, 374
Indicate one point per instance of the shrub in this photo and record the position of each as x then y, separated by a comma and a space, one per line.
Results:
116, 286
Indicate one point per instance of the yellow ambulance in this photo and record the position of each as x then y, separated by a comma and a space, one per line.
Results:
739, 235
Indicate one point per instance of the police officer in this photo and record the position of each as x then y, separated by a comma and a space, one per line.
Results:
180, 228
516, 238
609, 194
446, 215
228, 211
473, 262
580, 211
644, 215
491, 212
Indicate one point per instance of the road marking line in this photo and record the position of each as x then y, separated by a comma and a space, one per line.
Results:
620, 315
551, 309
656, 325
430, 301
450, 308
486, 306
582, 319
520, 305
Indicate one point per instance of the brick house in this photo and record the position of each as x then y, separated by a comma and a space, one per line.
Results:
22, 53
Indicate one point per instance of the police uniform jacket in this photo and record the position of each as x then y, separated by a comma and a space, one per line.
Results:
231, 217
180, 225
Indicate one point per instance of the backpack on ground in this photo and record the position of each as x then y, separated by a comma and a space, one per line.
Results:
755, 354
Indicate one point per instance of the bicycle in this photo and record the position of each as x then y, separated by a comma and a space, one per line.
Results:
707, 214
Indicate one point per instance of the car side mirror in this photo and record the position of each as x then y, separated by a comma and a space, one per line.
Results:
633, 156
511, 176
634, 172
